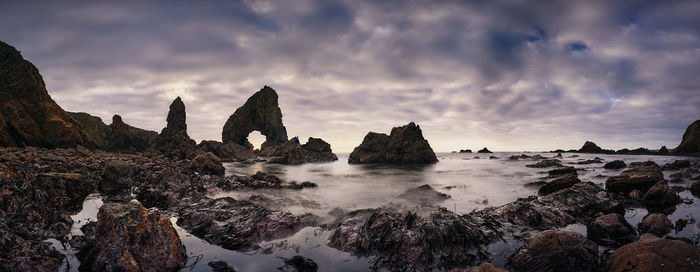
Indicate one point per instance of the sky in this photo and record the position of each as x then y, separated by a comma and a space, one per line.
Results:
508, 75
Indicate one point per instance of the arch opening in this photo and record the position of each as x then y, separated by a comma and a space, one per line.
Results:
256, 139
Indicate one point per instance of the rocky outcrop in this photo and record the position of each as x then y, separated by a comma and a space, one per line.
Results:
557, 251
656, 223
560, 183
690, 145
28, 115
591, 147
611, 230
130, 238
660, 197
125, 138
405, 145
640, 177
545, 164
616, 164
207, 164
93, 126
484, 150
173, 140
292, 152
676, 165
695, 189
261, 112
301, 264
117, 177
651, 252
227, 152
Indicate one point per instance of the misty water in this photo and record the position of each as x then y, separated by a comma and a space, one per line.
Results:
472, 184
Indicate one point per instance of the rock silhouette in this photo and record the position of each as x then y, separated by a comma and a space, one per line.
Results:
173, 140
125, 138
690, 145
405, 145
261, 112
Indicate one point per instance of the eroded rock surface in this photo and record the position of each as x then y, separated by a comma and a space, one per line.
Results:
640, 176
557, 251
405, 145
611, 230
207, 164
690, 145
292, 152
261, 112
650, 252
173, 140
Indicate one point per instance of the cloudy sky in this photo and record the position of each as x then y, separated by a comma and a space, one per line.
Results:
504, 74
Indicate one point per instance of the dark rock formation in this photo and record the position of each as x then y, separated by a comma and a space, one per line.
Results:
28, 115
656, 223
227, 152
590, 147
465, 151
292, 152
424, 194
562, 171
640, 177
483, 267
405, 145
261, 112
660, 197
173, 140
594, 160
125, 138
545, 164
616, 164
207, 164
93, 127
484, 150
301, 264
611, 230
221, 266
557, 251
663, 150
117, 177
130, 238
690, 145
560, 183
650, 252
676, 165
695, 189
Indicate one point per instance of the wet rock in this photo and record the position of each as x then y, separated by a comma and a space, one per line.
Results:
641, 176
424, 194
261, 112
125, 138
545, 163
690, 145
695, 189
236, 225
563, 182
93, 127
22, 254
314, 150
649, 253
557, 251
207, 164
138, 240
117, 177
676, 165
484, 150
611, 230
301, 264
656, 223
663, 150
221, 266
173, 140
591, 147
559, 155
405, 145
562, 171
227, 152
660, 197
635, 195
616, 164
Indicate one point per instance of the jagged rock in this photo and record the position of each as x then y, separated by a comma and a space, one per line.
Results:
117, 177
93, 127
314, 150
690, 145
650, 252
125, 138
28, 115
591, 147
130, 238
405, 145
641, 177
301, 264
557, 251
484, 150
656, 223
676, 165
227, 152
616, 164
611, 230
207, 164
173, 140
21, 254
545, 164
560, 183
261, 112
236, 225
663, 150
660, 197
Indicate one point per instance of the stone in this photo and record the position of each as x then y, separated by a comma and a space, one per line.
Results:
649, 253
117, 177
221, 266
28, 115
590, 147
660, 197
611, 230
695, 189
301, 264
424, 194
484, 150
690, 145
261, 112
616, 164
545, 163
676, 165
656, 223
207, 164
93, 127
292, 152
556, 251
562, 171
138, 240
560, 183
173, 140
227, 152
125, 138
405, 145
465, 151
640, 176
483, 267
663, 150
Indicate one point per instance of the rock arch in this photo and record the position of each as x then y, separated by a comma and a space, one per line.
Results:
261, 112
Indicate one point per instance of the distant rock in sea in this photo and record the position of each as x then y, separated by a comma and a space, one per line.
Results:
591, 147
465, 151
484, 150
227, 152
261, 112
173, 140
690, 145
405, 145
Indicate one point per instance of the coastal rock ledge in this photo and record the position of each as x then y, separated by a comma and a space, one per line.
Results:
405, 145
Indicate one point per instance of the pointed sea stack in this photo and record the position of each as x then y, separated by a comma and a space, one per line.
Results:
173, 140
261, 112
690, 145
405, 145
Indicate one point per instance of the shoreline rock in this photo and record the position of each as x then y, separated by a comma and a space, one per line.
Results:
405, 145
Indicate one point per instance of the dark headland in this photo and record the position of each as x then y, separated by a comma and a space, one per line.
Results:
51, 160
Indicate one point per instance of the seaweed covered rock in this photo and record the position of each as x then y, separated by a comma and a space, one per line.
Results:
660, 197
138, 240
261, 112
227, 152
676, 165
207, 164
173, 140
556, 251
611, 230
560, 183
22, 254
650, 252
656, 223
641, 176
125, 138
690, 144
405, 145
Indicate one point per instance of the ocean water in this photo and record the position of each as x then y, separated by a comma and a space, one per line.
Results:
472, 184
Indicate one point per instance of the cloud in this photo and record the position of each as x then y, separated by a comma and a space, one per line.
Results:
508, 75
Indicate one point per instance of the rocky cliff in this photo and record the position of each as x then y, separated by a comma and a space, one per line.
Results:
405, 145
690, 145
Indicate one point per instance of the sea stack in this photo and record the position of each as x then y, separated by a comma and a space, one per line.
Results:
261, 112
690, 145
173, 140
405, 145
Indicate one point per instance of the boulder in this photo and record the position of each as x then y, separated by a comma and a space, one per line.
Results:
651, 253
556, 251
663, 150
590, 147
261, 112
695, 189
656, 223
611, 230
562, 171
560, 183
483, 267
301, 264
616, 164
465, 151
28, 115
545, 163
484, 150
641, 176
173, 140
125, 138
292, 152
227, 152
405, 145
676, 165
130, 238
207, 164
660, 197
117, 177
690, 145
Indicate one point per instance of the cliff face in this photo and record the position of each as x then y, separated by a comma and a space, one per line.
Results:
28, 115
690, 145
